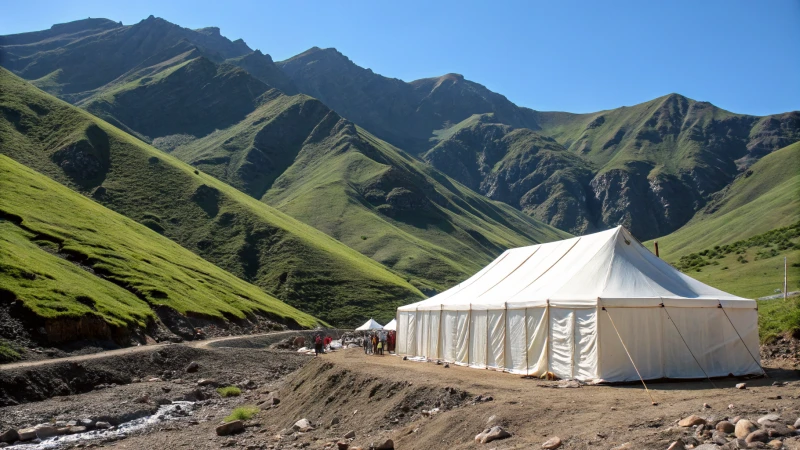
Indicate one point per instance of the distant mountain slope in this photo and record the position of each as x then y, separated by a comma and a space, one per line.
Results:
403, 114
194, 97
88, 272
518, 167
304, 159
79, 59
285, 257
765, 197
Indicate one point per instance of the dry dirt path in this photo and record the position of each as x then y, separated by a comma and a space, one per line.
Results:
131, 350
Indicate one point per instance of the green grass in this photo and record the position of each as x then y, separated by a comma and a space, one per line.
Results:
7, 352
288, 259
134, 268
777, 318
229, 391
342, 180
242, 413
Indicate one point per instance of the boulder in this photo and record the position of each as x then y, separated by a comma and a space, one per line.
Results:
26, 434
226, 429
743, 428
792, 443
76, 429
736, 444
677, 445
9, 436
192, 367
46, 431
350, 435
303, 425
719, 438
777, 429
553, 442
757, 436
692, 421
768, 418
725, 427
386, 445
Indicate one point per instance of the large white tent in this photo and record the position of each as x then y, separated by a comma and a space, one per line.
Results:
577, 308
370, 325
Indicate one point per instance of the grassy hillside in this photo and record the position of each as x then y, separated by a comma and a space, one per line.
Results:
302, 158
283, 256
65, 256
765, 197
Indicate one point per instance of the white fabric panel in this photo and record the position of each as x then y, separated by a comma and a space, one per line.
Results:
411, 341
585, 357
641, 329
678, 360
462, 337
740, 359
402, 333
434, 335
423, 333
515, 341
497, 330
538, 336
561, 341
449, 335
391, 326
477, 339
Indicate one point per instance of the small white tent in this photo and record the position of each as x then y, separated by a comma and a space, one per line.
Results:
370, 325
391, 326
572, 307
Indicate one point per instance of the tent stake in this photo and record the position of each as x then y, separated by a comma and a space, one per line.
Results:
687, 346
629, 357
743, 343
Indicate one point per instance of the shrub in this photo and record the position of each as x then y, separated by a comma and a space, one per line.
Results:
229, 391
242, 413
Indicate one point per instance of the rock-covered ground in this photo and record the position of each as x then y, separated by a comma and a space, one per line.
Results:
349, 400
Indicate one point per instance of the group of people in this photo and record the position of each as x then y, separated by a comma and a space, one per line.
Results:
321, 343
378, 342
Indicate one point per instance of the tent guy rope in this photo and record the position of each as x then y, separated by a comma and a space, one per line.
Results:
652, 400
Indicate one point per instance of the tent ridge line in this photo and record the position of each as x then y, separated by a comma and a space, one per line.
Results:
510, 273
548, 269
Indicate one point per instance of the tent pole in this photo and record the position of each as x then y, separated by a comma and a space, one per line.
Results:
629, 356
687, 345
548, 343
439, 338
743, 343
428, 352
526, 344
574, 334
486, 355
505, 332
469, 327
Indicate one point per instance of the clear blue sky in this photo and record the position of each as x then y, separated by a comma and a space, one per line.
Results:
742, 55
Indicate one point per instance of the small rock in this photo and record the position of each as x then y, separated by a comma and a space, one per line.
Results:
192, 367
625, 446
741, 386
303, 425
102, 425
143, 399
88, 423
736, 419
154, 380
768, 418
706, 405
446, 365
226, 429
779, 383
342, 445
777, 429
677, 445
719, 438
731, 406
725, 427
335, 421
45, 431
776, 444
9, 436
707, 447
350, 435
492, 434
552, 443
797, 424
386, 445
743, 428
76, 429
757, 436
204, 382
692, 421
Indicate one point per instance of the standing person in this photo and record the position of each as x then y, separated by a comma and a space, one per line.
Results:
382, 335
366, 344
317, 345
327, 343
374, 343
390, 339
381, 344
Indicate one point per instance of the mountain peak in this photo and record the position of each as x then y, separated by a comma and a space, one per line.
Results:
211, 31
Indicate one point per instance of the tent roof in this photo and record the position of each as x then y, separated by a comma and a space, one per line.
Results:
391, 326
610, 268
370, 325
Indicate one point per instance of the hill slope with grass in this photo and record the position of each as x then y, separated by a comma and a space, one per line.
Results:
288, 259
82, 268
738, 241
304, 159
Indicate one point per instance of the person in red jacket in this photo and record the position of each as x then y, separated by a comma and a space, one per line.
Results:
327, 343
